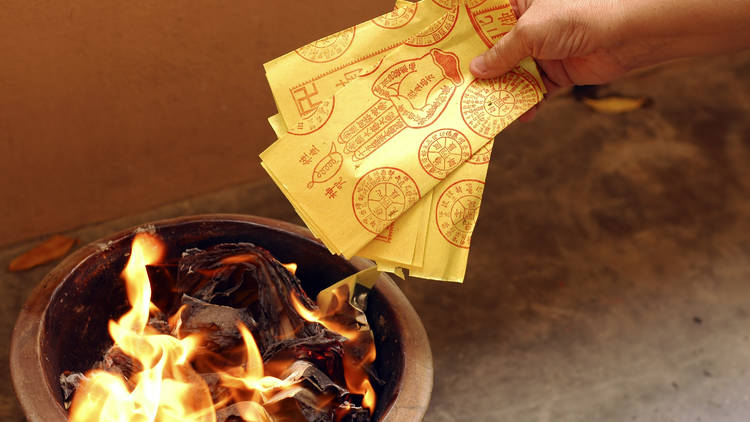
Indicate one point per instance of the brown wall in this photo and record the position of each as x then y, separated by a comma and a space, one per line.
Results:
111, 107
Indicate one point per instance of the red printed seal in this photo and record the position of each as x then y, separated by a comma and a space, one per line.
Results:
450, 4
327, 167
437, 31
457, 211
328, 48
489, 105
482, 156
401, 15
443, 151
411, 93
381, 196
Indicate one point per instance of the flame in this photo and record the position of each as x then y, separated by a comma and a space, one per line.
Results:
252, 376
146, 250
236, 259
291, 267
356, 377
166, 388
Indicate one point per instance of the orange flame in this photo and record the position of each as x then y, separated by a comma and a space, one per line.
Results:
356, 377
166, 388
291, 267
252, 376
146, 250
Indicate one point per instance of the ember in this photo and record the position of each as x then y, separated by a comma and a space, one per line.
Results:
228, 335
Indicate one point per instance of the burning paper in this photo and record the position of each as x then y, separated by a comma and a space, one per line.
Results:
234, 338
389, 162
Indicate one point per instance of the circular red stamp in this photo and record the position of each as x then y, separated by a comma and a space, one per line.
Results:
443, 151
401, 15
436, 31
446, 4
457, 211
482, 156
328, 48
489, 105
382, 195
315, 119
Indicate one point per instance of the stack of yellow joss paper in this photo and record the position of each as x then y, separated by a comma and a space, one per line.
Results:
385, 136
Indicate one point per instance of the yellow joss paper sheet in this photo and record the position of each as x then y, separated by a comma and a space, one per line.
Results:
442, 251
303, 78
402, 244
298, 94
453, 213
415, 129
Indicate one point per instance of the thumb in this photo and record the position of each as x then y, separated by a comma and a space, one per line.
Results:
502, 57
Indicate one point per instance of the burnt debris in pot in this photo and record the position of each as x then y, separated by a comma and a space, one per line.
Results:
215, 291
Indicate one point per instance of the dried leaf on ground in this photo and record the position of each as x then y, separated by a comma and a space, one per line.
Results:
615, 104
49, 250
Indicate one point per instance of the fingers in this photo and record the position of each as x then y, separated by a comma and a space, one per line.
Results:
556, 71
516, 8
552, 89
552, 86
502, 57
520, 7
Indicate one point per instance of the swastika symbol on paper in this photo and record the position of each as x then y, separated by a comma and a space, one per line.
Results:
305, 98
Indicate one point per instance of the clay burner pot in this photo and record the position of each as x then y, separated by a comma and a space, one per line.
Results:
63, 325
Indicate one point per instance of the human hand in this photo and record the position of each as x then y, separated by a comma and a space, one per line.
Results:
582, 42
568, 39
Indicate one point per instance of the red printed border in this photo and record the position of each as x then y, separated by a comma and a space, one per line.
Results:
351, 41
414, 13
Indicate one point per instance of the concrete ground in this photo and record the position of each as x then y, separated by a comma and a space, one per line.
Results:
609, 277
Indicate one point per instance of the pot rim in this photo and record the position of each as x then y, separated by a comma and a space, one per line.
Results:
38, 401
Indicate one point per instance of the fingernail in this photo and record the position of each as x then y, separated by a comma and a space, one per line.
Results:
478, 66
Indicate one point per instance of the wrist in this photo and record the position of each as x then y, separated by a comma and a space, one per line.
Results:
648, 32
629, 31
